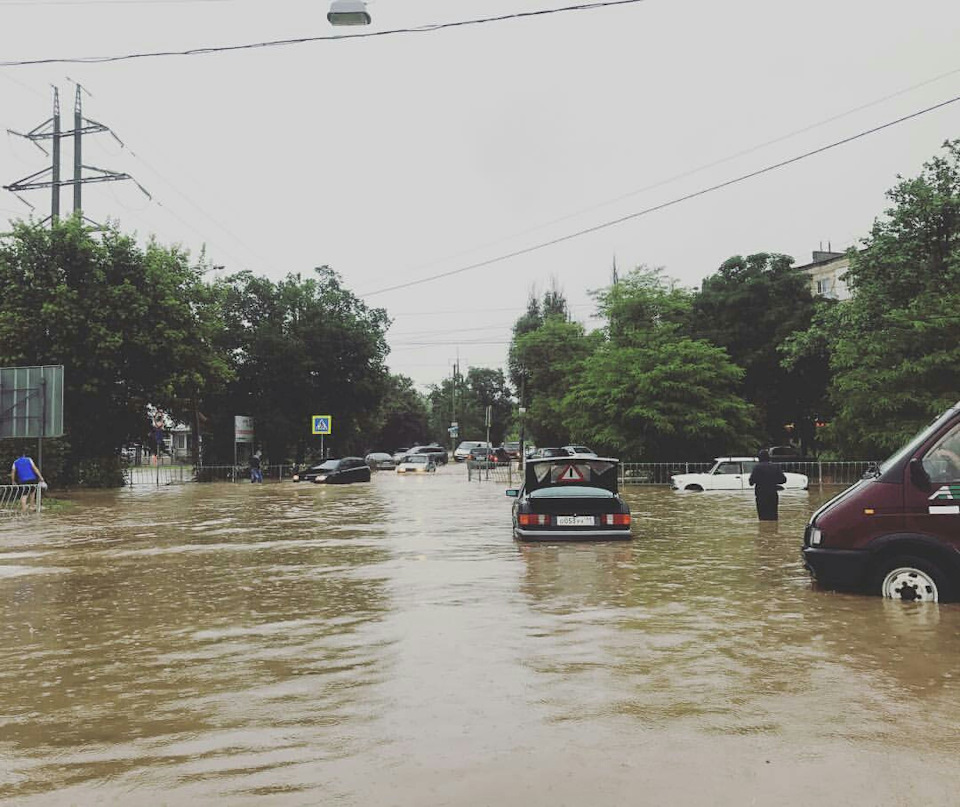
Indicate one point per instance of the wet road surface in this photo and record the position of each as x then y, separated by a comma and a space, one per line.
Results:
390, 644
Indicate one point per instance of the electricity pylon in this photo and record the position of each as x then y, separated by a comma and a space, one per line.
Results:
51, 130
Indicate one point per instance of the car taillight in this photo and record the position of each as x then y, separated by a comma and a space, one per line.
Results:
617, 519
533, 520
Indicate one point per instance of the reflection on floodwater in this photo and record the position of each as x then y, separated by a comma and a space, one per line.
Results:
391, 644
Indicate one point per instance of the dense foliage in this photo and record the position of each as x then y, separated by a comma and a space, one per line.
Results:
298, 347
750, 358
132, 326
464, 399
894, 348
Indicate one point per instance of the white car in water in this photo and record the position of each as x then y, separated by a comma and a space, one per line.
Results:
731, 473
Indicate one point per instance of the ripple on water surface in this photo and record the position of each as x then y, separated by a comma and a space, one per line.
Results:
390, 643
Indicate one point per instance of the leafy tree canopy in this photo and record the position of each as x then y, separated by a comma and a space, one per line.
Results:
895, 346
131, 325
299, 347
750, 307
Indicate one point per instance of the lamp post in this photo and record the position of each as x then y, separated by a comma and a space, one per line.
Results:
348, 12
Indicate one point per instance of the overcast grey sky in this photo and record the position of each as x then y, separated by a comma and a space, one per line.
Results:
395, 158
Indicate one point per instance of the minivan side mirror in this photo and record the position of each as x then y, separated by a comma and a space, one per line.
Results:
919, 475
512, 492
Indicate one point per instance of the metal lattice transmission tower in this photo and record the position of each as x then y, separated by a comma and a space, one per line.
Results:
50, 177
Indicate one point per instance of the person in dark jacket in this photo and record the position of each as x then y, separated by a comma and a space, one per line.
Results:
766, 479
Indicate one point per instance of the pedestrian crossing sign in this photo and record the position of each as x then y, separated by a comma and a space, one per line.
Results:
322, 424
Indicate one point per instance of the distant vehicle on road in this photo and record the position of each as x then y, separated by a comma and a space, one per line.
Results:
380, 461
417, 464
572, 498
439, 453
336, 472
580, 450
512, 447
547, 453
731, 473
463, 450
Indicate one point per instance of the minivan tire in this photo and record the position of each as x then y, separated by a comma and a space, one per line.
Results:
911, 579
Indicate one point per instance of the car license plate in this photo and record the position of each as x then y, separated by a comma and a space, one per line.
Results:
575, 521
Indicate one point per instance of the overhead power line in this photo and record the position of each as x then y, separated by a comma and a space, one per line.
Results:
279, 43
685, 174
654, 208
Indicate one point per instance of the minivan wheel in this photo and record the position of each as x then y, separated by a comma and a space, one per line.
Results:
911, 579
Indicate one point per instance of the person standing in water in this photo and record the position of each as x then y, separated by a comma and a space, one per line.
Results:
24, 471
766, 479
256, 473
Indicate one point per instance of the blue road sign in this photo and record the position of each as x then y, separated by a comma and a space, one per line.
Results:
322, 424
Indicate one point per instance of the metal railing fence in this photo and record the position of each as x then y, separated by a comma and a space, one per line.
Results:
658, 473
241, 473
484, 471
162, 475
818, 473
11, 497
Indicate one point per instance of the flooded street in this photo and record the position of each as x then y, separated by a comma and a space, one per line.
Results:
391, 644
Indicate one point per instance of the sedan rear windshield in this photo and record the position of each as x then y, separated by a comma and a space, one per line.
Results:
571, 492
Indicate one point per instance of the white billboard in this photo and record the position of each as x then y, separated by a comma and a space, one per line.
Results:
242, 429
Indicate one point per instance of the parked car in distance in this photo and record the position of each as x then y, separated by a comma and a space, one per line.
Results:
336, 472
785, 454
495, 456
589, 452
731, 473
417, 464
380, 461
547, 453
512, 447
896, 532
529, 451
572, 498
439, 453
399, 454
463, 450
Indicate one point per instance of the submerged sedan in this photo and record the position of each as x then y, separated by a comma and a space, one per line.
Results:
417, 464
336, 472
731, 473
571, 498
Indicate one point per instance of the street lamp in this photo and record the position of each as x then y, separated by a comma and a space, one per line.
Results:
348, 12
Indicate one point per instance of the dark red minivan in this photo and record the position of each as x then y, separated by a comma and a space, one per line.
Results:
897, 531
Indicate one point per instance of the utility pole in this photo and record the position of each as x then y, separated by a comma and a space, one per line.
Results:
77, 152
51, 130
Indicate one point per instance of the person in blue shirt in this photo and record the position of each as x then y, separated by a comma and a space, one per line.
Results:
24, 471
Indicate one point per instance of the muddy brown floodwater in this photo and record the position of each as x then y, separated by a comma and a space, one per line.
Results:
390, 644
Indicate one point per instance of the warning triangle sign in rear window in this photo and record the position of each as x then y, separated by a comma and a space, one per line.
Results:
571, 473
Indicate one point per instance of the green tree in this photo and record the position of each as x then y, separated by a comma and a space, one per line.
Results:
548, 361
481, 387
650, 390
403, 417
895, 346
131, 325
299, 347
750, 307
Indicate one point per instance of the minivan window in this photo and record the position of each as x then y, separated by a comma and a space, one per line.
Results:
942, 462
915, 443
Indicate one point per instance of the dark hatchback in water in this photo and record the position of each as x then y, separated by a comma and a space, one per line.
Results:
571, 498
336, 472
896, 532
